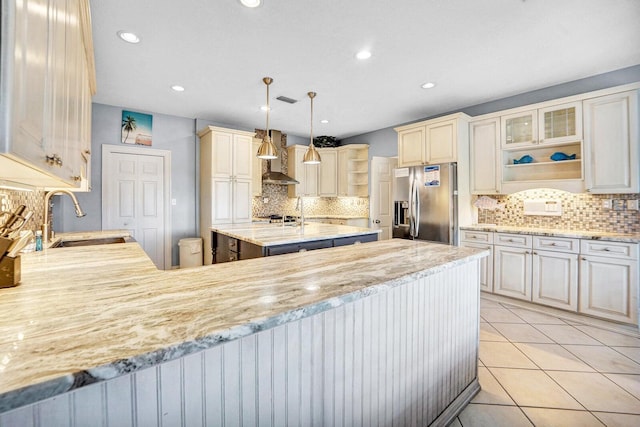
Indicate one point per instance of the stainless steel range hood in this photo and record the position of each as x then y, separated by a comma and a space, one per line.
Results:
274, 167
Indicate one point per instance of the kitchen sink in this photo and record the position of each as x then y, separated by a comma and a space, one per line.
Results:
91, 242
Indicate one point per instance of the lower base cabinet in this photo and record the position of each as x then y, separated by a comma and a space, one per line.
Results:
591, 277
486, 265
609, 280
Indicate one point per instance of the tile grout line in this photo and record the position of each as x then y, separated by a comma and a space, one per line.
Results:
566, 349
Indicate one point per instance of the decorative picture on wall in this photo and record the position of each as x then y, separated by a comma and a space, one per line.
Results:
136, 128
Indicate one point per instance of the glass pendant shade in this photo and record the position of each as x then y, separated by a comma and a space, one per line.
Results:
267, 150
311, 156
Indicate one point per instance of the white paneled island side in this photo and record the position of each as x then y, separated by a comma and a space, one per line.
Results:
359, 334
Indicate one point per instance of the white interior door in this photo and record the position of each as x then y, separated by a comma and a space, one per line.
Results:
134, 199
381, 203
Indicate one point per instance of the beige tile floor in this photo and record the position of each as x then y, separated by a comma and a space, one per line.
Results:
546, 368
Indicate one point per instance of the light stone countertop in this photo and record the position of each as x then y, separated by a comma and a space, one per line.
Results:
551, 232
265, 234
87, 314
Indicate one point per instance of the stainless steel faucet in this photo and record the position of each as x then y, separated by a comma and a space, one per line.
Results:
300, 206
46, 230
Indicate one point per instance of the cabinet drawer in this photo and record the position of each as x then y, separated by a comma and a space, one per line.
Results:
476, 236
609, 249
513, 240
343, 241
562, 244
299, 247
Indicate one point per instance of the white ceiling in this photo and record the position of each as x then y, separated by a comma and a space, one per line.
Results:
474, 50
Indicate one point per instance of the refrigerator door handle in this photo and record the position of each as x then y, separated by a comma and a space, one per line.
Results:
410, 210
414, 208
416, 204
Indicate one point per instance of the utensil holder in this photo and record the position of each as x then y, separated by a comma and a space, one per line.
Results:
10, 269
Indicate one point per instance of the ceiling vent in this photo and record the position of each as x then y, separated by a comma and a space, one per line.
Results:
287, 100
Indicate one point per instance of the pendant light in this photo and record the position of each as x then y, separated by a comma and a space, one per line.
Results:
311, 156
267, 150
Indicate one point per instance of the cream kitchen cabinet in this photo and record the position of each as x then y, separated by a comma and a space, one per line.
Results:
484, 143
256, 169
307, 175
226, 178
555, 272
411, 145
539, 133
512, 265
609, 280
48, 80
611, 139
540, 269
441, 140
481, 240
353, 170
328, 173
555, 124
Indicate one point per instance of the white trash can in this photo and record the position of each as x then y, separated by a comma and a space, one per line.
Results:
190, 252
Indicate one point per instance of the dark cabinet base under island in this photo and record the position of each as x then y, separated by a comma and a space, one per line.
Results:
233, 245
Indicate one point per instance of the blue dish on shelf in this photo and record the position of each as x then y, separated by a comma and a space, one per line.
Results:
558, 156
524, 159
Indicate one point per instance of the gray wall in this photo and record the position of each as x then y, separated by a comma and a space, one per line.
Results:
175, 134
384, 142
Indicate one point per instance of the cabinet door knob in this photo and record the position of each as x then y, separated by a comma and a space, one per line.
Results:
53, 160
76, 178
377, 221
584, 259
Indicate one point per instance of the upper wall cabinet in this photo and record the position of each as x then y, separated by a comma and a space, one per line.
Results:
484, 144
433, 141
555, 124
542, 148
611, 139
47, 79
328, 172
306, 175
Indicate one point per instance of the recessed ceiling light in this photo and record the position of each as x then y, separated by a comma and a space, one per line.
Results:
178, 88
363, 54
428, 85
325, 121
128, 37
251, 3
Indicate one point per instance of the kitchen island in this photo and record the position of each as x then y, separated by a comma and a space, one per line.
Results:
231, 242
96, 335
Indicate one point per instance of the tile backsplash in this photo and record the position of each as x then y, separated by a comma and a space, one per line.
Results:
581, 211
33, 200
275, 201
275, 198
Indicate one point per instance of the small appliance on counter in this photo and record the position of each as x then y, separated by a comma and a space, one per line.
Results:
426, 203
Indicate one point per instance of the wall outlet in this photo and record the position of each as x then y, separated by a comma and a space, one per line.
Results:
618, 204
632, 205
606, 204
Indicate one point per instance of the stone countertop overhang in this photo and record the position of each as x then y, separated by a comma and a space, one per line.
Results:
87, 314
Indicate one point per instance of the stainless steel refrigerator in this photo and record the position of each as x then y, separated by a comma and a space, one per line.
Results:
426, 203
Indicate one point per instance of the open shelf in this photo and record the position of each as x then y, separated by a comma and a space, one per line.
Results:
542, 168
